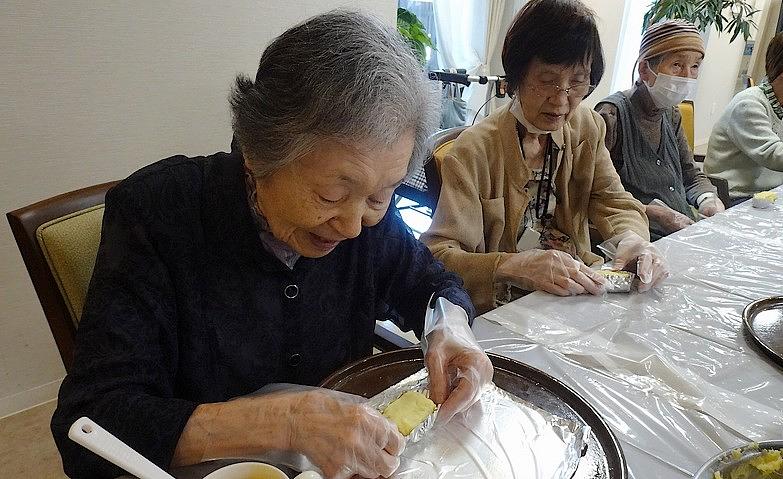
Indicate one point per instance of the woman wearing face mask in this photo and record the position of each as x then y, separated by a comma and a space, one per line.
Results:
644, 132
746, 145
519, 188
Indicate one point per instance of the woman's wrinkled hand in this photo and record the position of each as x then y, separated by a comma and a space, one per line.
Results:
711, 207
637, 255
669, 219
457, 367
552, 271
458, 370
341, 435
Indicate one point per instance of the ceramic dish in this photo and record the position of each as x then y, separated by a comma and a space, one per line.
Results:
731, 458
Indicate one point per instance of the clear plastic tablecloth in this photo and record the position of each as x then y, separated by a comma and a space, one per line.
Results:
670, 370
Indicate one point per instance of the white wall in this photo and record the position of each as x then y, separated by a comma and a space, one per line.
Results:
609, 15
93, 90
717, 80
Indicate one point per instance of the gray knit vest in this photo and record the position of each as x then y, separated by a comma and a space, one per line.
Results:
645, 173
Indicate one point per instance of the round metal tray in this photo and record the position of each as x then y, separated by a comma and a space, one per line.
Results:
763, 321
724, 461
604, 458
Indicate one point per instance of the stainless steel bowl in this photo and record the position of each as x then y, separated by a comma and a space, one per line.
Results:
763, 321
724, 461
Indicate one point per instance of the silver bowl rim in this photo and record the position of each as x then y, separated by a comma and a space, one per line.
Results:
709, 466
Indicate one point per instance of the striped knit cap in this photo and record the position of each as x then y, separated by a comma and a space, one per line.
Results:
670, 36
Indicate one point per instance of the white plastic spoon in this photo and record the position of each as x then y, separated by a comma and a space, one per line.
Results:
100, 441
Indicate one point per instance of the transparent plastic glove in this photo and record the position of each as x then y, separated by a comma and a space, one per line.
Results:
318, 428
711, 206
552, 271
669, 219
458, 368
343, 436
629, 251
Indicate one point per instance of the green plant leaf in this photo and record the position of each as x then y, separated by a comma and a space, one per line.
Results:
414, 33
730, 16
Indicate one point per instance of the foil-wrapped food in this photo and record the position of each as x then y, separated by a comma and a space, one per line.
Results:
411, 416
410, 410
501, 436
617, 281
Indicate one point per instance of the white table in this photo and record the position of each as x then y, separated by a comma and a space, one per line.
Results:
670, 370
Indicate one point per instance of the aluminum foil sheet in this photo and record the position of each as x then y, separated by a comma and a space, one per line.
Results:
499, 437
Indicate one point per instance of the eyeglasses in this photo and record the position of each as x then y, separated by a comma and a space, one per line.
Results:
550, 90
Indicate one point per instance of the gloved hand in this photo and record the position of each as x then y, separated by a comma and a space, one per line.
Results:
341, 435
552, 271
633, 253
711, 206
457, 366
301, 426
669, 219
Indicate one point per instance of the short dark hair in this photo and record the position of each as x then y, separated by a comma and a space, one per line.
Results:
558, 32
774, 59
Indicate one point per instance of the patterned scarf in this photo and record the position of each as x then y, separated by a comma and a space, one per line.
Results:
766, 87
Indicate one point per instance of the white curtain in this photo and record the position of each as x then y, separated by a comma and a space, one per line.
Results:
493, 39
460, 26
469, 32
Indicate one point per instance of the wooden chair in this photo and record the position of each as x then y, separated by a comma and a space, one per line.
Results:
58, 238
442, 142
722, 185
424, 187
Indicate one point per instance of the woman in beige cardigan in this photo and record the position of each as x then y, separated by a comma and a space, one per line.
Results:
519, 188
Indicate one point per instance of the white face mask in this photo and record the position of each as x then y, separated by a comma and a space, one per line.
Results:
668, 90
516, 110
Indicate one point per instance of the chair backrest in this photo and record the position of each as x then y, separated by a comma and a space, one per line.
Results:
687, 112
58, 238
441, 146
722, 185
424, 186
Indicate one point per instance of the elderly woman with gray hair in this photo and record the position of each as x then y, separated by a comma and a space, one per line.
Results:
220, 275
520, 189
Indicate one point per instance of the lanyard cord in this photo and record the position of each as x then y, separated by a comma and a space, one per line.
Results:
546, 181
547, 174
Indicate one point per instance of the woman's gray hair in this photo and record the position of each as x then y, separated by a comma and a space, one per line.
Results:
340, 75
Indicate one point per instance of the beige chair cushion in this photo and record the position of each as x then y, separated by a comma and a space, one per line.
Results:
70, 244
687, 113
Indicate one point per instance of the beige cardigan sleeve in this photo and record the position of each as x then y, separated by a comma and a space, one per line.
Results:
457, 235
612, 209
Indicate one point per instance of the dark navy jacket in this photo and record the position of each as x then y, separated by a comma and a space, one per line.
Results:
186, 306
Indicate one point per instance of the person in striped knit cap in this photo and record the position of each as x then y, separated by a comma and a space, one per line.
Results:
644, 131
